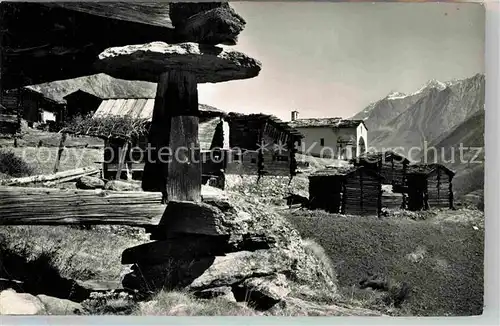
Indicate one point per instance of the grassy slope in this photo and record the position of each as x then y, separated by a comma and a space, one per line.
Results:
448, 278
78, 254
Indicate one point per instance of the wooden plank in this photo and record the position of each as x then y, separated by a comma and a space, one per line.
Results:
60, 151
49, 177
121, 162
47, 206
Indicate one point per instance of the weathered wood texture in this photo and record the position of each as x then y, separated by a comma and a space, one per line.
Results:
174, 131
247, 132
9, 124
70, 36
49, 177
326, 193
430, 190
60, 151
38, 206
357, 192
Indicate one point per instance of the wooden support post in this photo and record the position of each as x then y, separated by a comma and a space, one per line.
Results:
60, 151
174, 131
123, 155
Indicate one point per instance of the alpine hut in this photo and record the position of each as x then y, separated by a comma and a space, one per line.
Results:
429, 186
346, 190
261, 144
390, 165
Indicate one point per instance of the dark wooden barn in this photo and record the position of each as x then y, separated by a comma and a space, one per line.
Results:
261, 144
429, 186
9, 122
81, 103
350, 190
33, 105
390, 165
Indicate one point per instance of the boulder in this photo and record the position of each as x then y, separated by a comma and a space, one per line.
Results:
118, 185
13, 303
206, 23
56, 306
225, 292
146, 62
231, 243
88, 182
263, 292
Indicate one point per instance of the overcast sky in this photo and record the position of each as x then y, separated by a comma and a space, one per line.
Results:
329, 59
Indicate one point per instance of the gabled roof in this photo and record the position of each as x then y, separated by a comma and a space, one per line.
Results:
375, 157
82, 92
344, 171
425, 169
326, 122
40, 94
139, 108
278, 123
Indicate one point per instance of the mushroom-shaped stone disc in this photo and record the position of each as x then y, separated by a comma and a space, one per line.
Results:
210, 64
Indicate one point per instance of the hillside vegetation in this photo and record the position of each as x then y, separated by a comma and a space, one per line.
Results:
440, 258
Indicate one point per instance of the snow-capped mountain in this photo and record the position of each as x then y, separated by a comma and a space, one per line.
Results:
440, 115
379, 113
400, 120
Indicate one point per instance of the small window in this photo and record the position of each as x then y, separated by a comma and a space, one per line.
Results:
322, 141
253, 160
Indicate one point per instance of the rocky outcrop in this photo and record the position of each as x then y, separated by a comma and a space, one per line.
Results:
13, 303
206, 23
208, 248
88, 182
57, 306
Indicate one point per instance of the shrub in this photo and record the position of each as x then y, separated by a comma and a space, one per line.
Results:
312, 247
13, 165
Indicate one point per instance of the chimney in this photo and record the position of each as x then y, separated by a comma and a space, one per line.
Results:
295, 115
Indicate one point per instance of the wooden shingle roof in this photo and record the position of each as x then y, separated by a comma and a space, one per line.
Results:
343, 171
425, 169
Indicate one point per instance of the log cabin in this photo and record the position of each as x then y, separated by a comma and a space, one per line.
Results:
429, 186
390, 165
261, 144
346, 190
33, 105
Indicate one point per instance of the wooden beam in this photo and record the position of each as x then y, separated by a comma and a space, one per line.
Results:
174, 130
49, 177
45, 206
60, 151
121, 160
